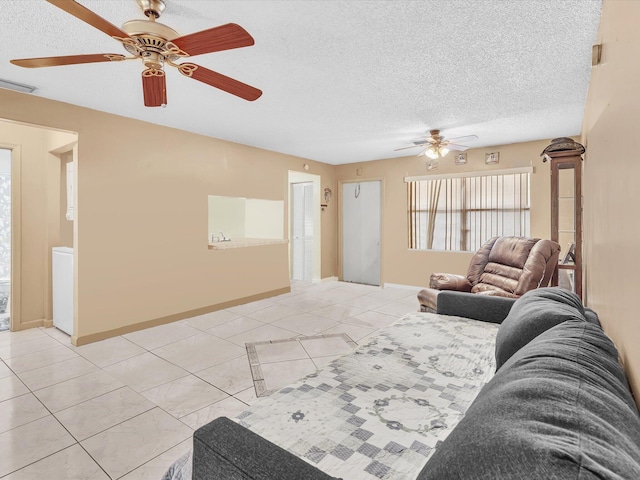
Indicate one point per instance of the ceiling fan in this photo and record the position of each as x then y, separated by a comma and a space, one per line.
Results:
157, 45
435, 146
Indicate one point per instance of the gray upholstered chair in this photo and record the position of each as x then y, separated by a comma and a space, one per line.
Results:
504, 266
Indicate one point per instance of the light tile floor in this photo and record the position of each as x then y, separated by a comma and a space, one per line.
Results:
127, 407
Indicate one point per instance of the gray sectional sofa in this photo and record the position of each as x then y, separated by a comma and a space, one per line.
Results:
558, 407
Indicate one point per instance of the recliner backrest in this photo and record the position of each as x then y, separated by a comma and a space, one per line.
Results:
511, 266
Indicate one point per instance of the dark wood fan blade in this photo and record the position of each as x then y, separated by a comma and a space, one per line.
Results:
154, 86
216, 39
67, 60
83, 13
215, 79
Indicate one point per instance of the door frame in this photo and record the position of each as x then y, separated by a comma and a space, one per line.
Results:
302, 177
15, 297
340, 218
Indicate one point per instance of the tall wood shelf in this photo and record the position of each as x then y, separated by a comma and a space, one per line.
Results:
566, 223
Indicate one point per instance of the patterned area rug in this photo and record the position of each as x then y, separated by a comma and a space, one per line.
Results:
380, 412
276, 363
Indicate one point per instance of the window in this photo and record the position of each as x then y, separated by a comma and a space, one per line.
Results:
460, 213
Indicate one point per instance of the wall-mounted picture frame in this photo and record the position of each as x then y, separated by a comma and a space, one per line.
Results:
461, 158
492, 158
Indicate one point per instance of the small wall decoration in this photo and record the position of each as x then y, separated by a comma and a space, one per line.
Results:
461, 158
432, 165
492, 158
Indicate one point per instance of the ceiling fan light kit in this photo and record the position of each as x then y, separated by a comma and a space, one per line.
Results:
157, 45
435, 146
436, 152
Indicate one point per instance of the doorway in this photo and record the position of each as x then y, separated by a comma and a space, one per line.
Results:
5, 238
361, 232
302, 231
304, 253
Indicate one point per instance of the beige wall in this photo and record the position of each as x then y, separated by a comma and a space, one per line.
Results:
410, 267
611, 173
141, 218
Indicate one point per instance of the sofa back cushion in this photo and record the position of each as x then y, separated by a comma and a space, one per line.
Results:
539, 266
559, 408
503, 264
532, 314
479, 261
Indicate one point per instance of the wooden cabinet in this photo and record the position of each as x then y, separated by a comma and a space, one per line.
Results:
566, 217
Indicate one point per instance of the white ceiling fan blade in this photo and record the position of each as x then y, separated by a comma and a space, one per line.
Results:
466, 138
453, 146
404, 148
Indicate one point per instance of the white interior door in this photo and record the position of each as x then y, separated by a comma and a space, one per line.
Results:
302, 231
5, 238
361, 231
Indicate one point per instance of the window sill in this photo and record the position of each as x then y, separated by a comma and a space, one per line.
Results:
246, 242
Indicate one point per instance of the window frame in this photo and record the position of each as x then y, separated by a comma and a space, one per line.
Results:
460, 236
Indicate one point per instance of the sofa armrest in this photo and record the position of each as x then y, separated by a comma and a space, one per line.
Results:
488, 308
226, 450
449, 281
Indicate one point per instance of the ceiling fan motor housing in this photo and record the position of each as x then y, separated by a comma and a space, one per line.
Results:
435, 134
151, 38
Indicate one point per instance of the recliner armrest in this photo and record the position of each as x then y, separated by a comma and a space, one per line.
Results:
449, 281
487, 308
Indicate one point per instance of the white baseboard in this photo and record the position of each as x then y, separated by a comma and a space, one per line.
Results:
329, 279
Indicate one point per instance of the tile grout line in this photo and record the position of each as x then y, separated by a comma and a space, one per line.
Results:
77, 442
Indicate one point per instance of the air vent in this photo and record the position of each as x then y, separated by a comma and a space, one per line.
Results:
18, 87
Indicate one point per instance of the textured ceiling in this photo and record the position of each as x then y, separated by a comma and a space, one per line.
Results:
343, 81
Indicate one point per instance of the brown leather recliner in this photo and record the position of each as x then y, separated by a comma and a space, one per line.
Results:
504, 266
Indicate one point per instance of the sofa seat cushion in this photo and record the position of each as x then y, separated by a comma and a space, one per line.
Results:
489, 289
559, 408
534, 313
